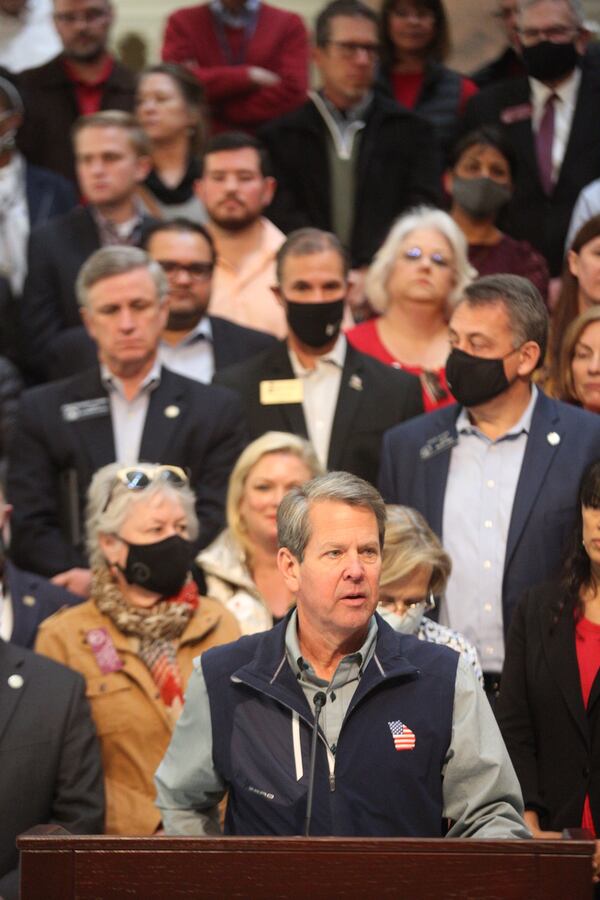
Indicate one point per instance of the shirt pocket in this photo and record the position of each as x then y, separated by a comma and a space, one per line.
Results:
110, 699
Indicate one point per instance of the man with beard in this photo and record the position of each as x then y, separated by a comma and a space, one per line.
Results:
315, 384
235, 187
83, 79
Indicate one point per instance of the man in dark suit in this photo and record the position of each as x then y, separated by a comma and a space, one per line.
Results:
83, 79
127, 409
496, 477
193, 343
550, 120
349, 161
315, 384
51, 768
112, 159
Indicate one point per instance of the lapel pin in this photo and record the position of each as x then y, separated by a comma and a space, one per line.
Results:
15, 681
29, 600
553, 438
356, 383
171, 412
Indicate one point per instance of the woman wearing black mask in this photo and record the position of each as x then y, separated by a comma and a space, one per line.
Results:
480, 182
135, 639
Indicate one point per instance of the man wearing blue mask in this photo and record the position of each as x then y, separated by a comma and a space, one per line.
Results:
497, 475
548, 116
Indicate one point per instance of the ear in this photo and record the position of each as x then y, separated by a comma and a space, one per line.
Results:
289, 568
277, 291
573, 262
143, 168
88, 320
110, 546
269, 188
529, 357
448, 182
198, 188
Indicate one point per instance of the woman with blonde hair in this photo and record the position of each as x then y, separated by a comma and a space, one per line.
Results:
135, 639
240, 566
415, 570
578, 375
416, 278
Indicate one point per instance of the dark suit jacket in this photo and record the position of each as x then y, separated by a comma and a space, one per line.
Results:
48, 195
51, 770
372, 398
531, 214
398, 166
545, 501
53, 459
553, 741
51, 109
57, 250
33, 599
74, 350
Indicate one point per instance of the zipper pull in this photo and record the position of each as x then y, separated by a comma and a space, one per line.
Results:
332, 781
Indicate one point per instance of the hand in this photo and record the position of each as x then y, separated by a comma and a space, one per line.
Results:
78, 581
533, 823
263, 77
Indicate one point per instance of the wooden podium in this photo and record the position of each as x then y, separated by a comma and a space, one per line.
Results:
61, 867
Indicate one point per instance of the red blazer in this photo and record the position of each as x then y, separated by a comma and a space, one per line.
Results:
279, 43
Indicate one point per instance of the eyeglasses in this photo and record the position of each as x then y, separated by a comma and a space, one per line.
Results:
350, 49
138, 478
197, 271
557, 34
414, 254
388, 604
87, 16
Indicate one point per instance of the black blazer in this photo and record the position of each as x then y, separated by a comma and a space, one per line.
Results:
51, 768
372, 398
53, 458
74, 350
33, 599
531, 214
51, 109
553, 741
48, 195
398, 166
56, 252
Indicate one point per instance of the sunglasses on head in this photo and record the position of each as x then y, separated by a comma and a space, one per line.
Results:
136, 478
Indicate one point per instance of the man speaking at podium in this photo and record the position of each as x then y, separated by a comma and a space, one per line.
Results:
332, 723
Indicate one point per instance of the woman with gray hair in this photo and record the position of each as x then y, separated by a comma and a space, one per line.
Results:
135, 640
415, 570
240, 566
417, 276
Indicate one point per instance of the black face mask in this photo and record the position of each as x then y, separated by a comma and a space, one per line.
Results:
315, 324
482, 198
161, 567
473, 379
548, 61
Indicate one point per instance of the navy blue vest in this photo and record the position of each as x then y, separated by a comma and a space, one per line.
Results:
378, 790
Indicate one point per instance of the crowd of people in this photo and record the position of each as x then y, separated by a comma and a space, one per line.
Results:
315, 367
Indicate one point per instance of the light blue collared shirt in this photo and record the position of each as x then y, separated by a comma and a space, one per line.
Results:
194, 355
481, 486
129, 416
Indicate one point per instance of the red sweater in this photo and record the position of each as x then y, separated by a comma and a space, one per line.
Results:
279, 43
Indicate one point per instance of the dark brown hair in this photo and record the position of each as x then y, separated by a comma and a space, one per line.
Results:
440, 45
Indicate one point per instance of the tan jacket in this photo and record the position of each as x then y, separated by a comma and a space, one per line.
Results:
133, 724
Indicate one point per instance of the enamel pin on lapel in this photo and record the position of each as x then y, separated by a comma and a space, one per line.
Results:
29, 600
171, 412
16, 681
553, 438
355, 383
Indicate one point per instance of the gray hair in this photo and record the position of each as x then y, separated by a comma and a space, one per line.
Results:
575, 8
293, 522
421, 217
306, 242
109, 261
523, 303
270, 442
109, 504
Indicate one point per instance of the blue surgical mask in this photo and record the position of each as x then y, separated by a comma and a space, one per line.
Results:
409, 622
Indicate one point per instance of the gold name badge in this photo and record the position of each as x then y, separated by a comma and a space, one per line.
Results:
282, 390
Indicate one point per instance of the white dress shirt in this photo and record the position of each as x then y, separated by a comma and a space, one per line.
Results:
129, 416
193, 356
564, 110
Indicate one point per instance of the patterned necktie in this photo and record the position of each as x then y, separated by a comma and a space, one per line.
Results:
543, 144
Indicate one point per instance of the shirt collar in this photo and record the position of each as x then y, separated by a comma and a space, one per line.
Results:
465, 426
102, 78
300, 666
336, 356
566, 91
112, 383
354, 113
121, 230
200, 332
